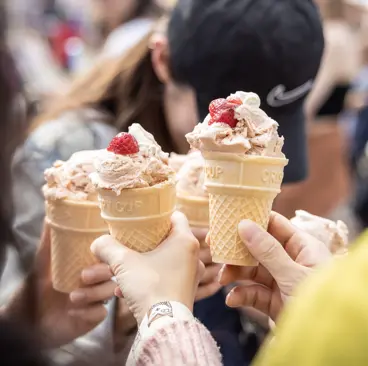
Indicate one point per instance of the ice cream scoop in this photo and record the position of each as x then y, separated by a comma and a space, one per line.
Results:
133, 160
237, 124
70, 179
333, 234
190, 177
176, 161
192, 196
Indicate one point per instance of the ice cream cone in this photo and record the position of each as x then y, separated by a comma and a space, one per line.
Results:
74, 226
195, 209
240, 187
139, 218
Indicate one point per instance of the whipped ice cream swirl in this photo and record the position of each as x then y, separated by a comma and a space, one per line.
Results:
333, 234
70, 179
176, 161
190, 177
144, 169
255, 132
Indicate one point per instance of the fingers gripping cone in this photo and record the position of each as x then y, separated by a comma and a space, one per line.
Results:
139, 218
239, 187
74, 226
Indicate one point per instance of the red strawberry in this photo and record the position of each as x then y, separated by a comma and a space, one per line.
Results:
123, 144
225, 116
217, 105
222, 111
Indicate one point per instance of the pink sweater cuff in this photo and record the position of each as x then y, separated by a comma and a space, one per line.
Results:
180, 343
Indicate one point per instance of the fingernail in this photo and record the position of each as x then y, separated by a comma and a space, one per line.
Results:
221, 272
230, 298
247, 229
88, 274
77, 296
207, 239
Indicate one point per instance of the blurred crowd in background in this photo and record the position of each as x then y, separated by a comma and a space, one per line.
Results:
55, 42
77, 54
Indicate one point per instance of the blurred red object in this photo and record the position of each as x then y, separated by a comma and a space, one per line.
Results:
59, 37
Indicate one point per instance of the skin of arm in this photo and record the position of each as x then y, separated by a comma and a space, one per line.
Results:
335, 68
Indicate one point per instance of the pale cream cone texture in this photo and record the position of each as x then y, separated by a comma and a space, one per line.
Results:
139, 218
74, 226
195, 209
239, 187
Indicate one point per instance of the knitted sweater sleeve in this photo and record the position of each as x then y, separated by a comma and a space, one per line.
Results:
182, 342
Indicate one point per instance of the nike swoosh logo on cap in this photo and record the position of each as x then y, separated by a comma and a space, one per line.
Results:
279, 97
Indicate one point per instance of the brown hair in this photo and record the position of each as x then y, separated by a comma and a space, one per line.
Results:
13, 129
126, 87
146, 7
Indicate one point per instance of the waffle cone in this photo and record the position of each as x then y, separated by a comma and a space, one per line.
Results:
139, 218
74, 226
195, 209
239, 187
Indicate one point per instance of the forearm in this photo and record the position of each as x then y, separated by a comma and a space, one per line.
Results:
177, 339
22, 306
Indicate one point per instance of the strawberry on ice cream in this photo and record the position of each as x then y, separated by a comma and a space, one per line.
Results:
70, 179
238, 125
132, 160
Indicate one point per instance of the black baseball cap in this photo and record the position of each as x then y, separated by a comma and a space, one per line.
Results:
270, 47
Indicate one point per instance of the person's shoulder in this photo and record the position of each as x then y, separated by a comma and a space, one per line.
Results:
344, 280
327, 318
73, 131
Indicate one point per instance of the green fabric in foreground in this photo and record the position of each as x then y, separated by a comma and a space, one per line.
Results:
326, 324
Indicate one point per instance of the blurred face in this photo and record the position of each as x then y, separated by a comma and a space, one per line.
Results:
179, 100
109, 14
181, 113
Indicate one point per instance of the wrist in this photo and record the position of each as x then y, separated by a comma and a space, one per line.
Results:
158, 300
159, 315
166, 311
175, 299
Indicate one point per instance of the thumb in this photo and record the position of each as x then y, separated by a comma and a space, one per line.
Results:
110, 251
266, 249
179, 222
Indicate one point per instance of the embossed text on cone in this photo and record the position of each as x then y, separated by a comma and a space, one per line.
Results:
139, 218
240, 187
74, 226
